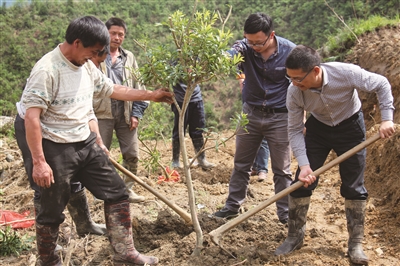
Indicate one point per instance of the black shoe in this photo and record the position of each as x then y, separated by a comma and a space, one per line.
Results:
225, 213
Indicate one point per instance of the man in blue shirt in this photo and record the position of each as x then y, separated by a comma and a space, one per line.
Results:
264, 101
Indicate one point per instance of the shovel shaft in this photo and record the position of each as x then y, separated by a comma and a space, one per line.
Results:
172, 205
215, 234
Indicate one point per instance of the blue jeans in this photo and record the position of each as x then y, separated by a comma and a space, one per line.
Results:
261, 162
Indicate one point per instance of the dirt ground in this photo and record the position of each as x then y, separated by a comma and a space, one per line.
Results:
159, 231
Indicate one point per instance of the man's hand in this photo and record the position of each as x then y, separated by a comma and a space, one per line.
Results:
134, 123
306, 176
386, 130
42, 174
162, 95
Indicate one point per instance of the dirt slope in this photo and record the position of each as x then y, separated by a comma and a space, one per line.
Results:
159, 231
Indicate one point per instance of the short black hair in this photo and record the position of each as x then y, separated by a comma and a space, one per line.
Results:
89, 29
303, 57
106, 50
258, 22
114, 21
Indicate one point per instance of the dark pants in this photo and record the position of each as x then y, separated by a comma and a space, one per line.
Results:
320, 139
83, 162
194, 118
19, 125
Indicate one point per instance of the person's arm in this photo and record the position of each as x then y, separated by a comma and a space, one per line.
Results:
372, 82
94, 127
137, 113
42, 173
124, 93
296, 116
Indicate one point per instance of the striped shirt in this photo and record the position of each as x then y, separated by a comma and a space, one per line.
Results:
335, 101
64, 92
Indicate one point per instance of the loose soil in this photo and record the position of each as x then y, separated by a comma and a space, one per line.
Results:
159, 231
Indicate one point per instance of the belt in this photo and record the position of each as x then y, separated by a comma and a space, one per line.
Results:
350, 119
270, 110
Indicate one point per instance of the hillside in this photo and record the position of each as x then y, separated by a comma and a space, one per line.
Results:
159, 231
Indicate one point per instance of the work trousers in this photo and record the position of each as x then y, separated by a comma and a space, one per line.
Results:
272, 127
320, 139
195, 119
20, 134
128, 140
83, 162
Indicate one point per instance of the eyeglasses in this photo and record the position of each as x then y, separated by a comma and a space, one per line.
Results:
299, 80
257, 44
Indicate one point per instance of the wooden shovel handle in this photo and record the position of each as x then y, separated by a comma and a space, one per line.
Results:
216, 234
172, 205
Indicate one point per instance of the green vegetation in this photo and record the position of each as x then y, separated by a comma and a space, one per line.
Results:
31, 30
11, 243
338, 46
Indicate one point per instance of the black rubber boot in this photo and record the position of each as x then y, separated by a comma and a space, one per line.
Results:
298, 208
46, 242
176, 149
119, 227
79, 210
355, 215
201, 159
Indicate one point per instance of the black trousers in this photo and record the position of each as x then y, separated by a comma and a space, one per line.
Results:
320, 139
72, 163
194, 118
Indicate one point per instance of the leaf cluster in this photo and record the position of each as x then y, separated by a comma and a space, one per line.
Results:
11, 243
197, 54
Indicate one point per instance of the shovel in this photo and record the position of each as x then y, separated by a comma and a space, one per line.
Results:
176, 208
216, 234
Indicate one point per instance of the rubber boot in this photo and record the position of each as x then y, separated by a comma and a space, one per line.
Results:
46, 241
176, 149
79, 210
37, 206
119, 227
201, 159
129, 182
355, 214
298, 208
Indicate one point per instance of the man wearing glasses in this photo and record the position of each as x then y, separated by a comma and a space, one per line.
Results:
328, 92
264, 101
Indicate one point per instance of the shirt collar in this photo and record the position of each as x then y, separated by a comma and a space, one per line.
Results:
325, 80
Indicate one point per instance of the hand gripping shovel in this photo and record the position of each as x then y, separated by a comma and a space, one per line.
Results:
216, 234
172, 205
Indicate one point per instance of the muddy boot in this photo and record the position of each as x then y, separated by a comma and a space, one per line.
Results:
36, 205
79, 210
46, 241
119, 227
129, 182
355, 214
176, 148
201, 159
298, 208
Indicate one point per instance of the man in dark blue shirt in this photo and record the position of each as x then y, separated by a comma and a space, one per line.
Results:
264, 101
